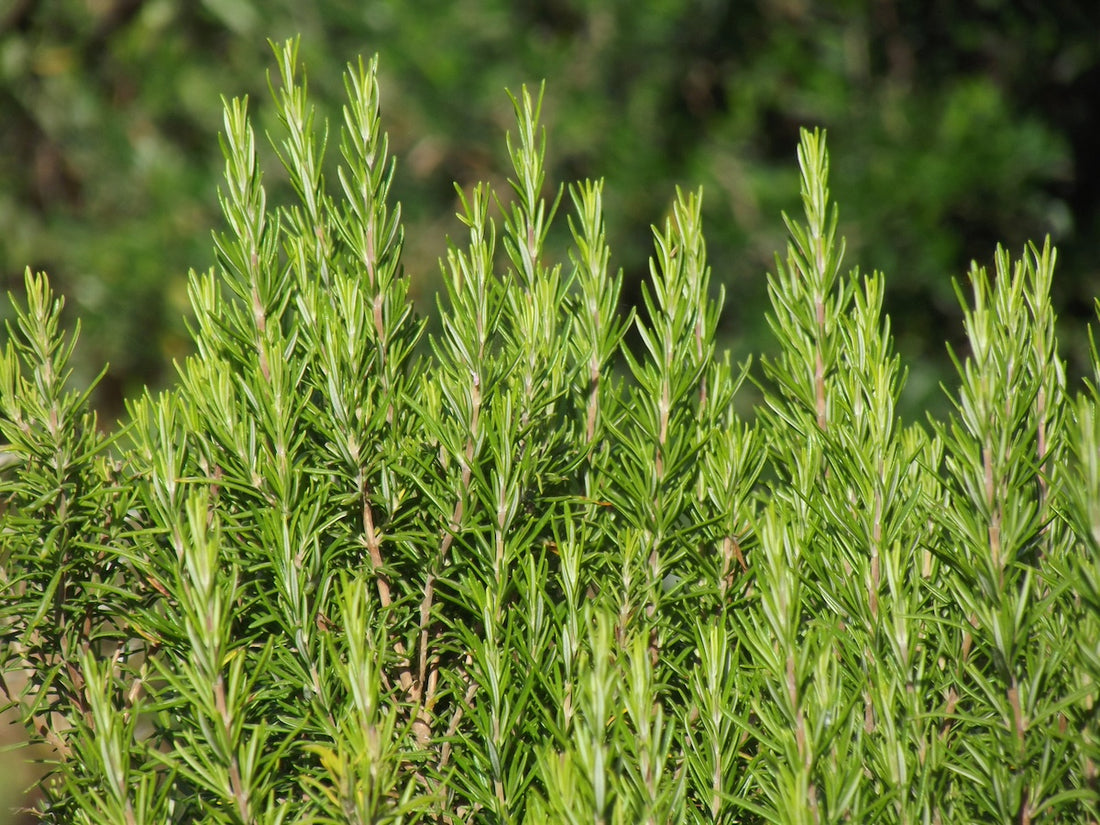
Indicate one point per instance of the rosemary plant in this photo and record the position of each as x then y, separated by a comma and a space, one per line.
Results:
345, 571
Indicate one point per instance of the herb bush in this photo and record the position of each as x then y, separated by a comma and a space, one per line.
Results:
335, 575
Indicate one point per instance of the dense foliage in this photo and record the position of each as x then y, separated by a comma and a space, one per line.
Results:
332, 575
954, 126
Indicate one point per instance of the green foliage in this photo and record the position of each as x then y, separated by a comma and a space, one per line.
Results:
334, 576
950, 130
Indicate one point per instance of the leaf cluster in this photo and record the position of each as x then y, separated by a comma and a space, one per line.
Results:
524, 574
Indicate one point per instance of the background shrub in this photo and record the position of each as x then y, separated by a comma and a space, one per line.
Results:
954, 128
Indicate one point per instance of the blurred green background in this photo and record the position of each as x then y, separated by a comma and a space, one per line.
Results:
952, 126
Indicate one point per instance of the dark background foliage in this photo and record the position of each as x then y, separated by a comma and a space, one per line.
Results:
952, 127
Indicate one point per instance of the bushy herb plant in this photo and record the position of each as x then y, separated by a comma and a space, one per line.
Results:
346, 571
